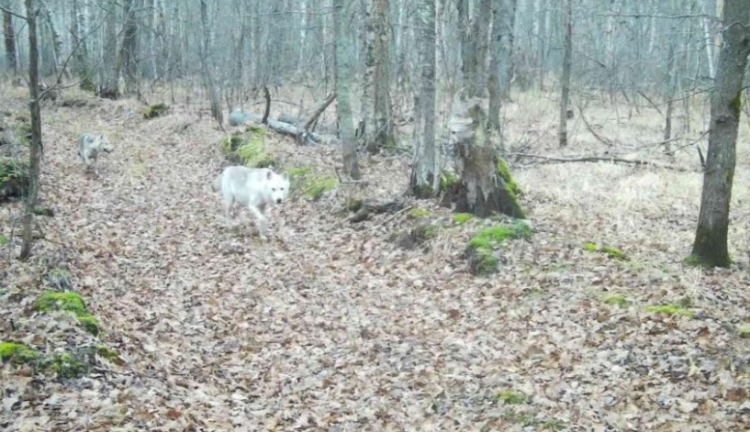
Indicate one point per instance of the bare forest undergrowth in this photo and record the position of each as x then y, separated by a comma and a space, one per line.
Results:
330, 326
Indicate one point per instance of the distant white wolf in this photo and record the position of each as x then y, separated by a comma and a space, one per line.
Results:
89, 147
255, 188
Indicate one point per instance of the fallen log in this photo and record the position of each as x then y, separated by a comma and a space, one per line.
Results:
612, 159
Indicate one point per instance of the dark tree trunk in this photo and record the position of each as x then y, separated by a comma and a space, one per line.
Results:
710, 248
128, 50
10, 41
567, 15
36, 131
481, 189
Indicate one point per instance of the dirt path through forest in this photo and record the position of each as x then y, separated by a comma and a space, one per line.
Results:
330, 326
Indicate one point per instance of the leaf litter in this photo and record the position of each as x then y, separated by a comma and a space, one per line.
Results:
329, 326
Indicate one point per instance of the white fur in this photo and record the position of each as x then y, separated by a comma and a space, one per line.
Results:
256, 188
89, 147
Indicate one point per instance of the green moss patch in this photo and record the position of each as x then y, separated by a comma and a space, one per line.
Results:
510, 398
315, 187
417, 213
4, 240
615, 300
610, 251
154, 111
492, 237
462, 218
670, 310
295, 172
23, 133
71, 302
743, 331
504, 173
249, 149
447, 180
65, 366
17, 353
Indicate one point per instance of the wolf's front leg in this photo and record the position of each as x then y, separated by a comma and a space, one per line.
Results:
260, 220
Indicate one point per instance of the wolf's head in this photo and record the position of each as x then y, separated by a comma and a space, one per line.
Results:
278, 186
103, 143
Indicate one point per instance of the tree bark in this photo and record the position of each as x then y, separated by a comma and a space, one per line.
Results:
128, 50
207, 66
110, 74
343, 68
710, 248
425, 177
10, 41
378, 129
476, 68
501, 66
481, 189
36, 130
567, 15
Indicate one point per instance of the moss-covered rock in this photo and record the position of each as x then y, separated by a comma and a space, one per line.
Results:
87, 84
14, 179
17, 353
66, 366
447, 181
66, 301
670, 310
248, 149
154, 111
743, 331
610, 251
89, 323
482, 261
71, 302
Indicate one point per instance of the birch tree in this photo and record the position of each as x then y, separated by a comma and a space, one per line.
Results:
425, 174
343, 67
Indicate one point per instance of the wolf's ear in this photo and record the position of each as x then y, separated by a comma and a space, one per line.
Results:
269, 174
285, 176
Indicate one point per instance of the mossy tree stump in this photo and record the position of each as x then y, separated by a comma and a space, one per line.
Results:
481, 188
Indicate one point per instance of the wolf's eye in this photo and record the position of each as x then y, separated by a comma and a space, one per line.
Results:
273, 189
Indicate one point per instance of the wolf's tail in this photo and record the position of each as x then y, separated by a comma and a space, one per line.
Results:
216, 185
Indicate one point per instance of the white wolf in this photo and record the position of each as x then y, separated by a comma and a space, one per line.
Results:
255, 188
90, 145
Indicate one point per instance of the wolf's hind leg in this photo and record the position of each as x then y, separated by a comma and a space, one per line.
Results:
228, 203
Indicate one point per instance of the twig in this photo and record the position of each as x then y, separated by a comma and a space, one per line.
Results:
267, 95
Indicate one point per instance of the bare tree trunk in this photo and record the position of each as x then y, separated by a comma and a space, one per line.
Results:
207, 66
566, 67
343, 68
128, 51
36, 131
110, 74
476, 69
425, 177
501, 52
10, 41
379, 126
78, 33
671, 88
710, 248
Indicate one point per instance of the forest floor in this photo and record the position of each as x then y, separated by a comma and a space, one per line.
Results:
330, 326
